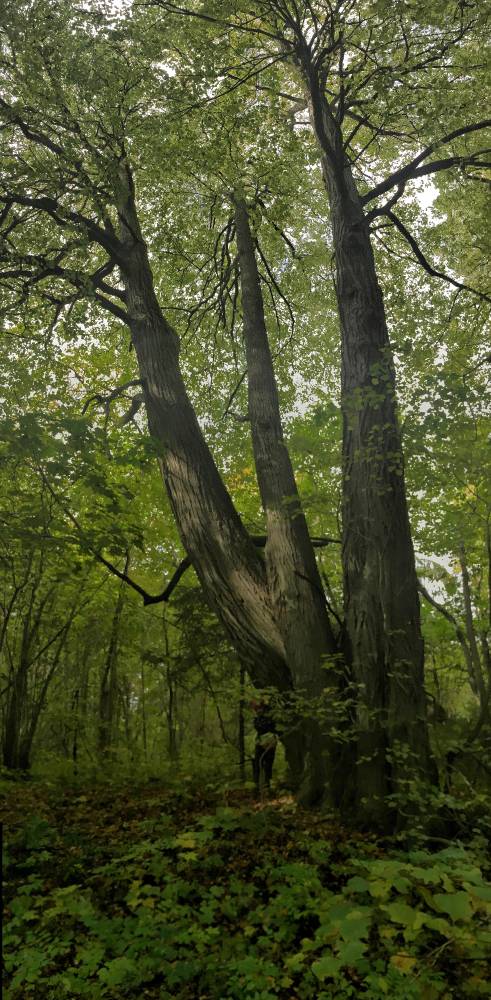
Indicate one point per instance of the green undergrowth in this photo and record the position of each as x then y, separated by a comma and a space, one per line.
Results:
141, 894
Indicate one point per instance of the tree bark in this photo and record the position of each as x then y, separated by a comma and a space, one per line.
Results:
241, 727
109, 682
475, 659
230, 568
380, 585
16, 711
27, 740
294, 582
143, 709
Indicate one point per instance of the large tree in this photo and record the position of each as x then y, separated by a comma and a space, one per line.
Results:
81, 91
359, 67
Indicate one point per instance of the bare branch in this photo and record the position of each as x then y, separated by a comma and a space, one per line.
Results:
62, 217
432, 271
411, 169
105, 401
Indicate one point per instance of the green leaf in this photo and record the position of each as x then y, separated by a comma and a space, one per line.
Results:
119, 971
358, 884
456, 904
327, 967
401, 913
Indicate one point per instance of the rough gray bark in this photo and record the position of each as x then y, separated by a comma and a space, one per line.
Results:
293, 578
294, 582
229, 566
380, 585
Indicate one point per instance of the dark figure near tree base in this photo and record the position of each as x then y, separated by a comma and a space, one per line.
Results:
265, 748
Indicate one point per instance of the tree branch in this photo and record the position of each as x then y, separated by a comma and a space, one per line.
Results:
411, 169
459, 632
173, 8
432, 271
62, 217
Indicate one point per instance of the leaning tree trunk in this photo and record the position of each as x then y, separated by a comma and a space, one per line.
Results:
380, 586
294, 582
228, 564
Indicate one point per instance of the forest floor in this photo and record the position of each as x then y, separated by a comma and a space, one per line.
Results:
127, 891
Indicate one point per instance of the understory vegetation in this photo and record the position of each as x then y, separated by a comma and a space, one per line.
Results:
124, 891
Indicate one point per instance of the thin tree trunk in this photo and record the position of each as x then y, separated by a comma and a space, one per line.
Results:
14, 716
241, 739
171, 706
17, 703
30, 731
109, 682
75, 735
470, 631
380, 585
144, 710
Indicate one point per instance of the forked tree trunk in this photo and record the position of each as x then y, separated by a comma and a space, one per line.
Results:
380, 587
229, 566
293, 578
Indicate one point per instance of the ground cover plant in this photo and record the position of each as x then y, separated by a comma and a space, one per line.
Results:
141, 892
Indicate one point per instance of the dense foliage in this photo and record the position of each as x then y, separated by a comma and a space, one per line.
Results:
154, 896
245, 453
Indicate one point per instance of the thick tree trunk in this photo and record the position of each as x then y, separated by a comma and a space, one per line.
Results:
294, 582
380, 586
293, 577
229, 566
